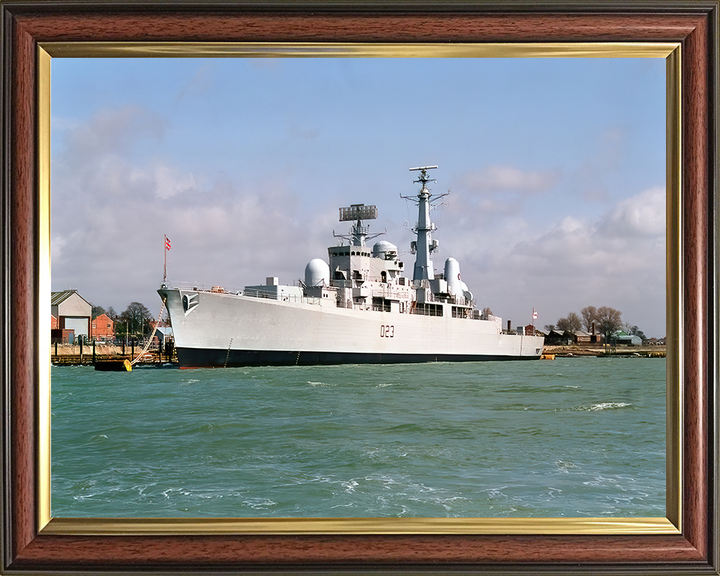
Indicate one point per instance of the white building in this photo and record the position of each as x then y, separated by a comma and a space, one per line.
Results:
622, 337
72, 311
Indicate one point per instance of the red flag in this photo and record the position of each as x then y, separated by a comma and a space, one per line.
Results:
167, 243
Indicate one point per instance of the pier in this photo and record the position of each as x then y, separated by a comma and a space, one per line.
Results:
618, 351
93, 352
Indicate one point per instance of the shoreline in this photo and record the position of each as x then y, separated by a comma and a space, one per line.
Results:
70, 355
611, 351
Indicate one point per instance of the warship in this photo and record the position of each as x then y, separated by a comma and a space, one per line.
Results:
358, 306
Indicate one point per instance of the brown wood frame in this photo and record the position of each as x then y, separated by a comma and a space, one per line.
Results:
25, 23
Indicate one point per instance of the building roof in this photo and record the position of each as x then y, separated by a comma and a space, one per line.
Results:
59, 297
557, 332
106, 317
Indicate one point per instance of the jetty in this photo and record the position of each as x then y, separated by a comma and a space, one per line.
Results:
598, 351
94, 353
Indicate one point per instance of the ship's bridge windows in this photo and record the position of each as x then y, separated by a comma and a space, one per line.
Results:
339, 251
460, 312
428, 309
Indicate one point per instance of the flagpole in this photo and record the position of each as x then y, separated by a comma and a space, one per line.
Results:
165, 258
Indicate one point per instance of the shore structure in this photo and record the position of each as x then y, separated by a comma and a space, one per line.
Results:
356, 307
611, 351
93, 353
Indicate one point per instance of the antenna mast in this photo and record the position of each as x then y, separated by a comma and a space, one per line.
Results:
424, 245
357, 213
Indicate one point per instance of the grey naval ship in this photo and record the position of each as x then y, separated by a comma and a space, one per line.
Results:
356, 307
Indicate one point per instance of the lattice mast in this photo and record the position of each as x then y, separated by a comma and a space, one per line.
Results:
424, 246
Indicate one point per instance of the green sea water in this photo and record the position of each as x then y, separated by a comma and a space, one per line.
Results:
569, 437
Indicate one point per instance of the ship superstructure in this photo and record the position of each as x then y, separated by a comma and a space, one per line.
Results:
356, 306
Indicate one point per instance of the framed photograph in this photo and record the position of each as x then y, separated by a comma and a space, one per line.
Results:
684, 37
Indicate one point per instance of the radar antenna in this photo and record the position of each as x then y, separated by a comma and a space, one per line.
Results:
424, 179
423, 174
358, 233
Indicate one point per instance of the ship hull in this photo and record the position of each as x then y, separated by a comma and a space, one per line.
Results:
226, 330
205, 358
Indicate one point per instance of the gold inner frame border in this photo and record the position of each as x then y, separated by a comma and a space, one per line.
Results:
671, 524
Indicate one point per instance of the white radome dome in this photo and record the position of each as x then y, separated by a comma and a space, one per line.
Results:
317, 273
452, 275
383, 247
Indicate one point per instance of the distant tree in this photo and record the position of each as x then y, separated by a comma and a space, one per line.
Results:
609, 321
589, 315
634, 331
136, 318
549, 327
97, 310
110, 313
570, 324
486, 312
575, 322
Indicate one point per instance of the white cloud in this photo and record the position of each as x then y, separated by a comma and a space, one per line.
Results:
641, 215
511, 179
110, 212
602, 157
111, 131
617, 259
169, 181
497, 192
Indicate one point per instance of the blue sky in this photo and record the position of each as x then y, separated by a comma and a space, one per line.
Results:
556, 169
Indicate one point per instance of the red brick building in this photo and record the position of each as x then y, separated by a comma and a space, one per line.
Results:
102, 327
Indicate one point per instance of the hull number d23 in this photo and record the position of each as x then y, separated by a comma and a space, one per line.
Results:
387, 331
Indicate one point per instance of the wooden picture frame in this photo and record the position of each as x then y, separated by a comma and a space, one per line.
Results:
30, 546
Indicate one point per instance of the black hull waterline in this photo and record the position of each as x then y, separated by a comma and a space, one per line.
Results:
204, 358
